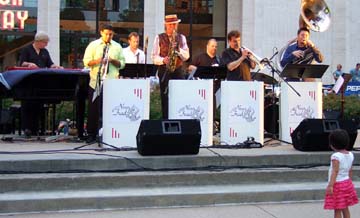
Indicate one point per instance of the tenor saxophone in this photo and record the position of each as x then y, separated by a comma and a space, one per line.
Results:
171, 66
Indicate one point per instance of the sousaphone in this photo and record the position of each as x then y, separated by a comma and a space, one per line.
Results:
315, 15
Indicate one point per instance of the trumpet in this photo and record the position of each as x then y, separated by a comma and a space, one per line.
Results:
255, 58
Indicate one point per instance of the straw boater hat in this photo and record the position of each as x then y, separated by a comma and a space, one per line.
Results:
171, 18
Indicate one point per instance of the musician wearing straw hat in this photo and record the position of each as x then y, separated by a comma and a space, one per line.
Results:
169, 52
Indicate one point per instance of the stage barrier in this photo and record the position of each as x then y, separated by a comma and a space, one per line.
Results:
126, 103
242, 111
293, 109
193, 99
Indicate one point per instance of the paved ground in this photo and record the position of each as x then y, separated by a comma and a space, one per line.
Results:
285, 210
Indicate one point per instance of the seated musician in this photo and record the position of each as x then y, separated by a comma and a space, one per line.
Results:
302, 51
34, 55
237, 59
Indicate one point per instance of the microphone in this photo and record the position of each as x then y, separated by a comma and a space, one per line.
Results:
277, 52
146, 44
266, 60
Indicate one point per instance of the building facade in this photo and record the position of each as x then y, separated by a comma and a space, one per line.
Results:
265, 26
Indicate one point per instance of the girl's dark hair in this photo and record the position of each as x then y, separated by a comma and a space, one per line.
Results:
339, 139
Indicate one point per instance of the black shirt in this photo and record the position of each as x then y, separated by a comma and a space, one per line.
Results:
230, 55
42, 60
205, 60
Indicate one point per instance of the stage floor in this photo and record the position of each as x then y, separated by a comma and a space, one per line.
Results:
39, 156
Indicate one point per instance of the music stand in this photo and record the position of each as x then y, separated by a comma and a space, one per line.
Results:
303, 71
138, 70
341, 84
210, 72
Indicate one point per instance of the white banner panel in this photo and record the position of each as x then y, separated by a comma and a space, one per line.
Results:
242, 111
293, 109
193, 99
126, 103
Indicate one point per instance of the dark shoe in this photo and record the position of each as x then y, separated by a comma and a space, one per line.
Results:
27, 133
90, 139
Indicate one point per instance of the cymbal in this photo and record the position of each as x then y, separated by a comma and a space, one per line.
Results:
264, 78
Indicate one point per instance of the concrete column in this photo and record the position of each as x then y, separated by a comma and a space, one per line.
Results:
234, 19
248, 23
49, 22
154, 13
219, 22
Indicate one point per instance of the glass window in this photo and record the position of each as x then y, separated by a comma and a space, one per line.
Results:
201, 20
18, 26
79, 23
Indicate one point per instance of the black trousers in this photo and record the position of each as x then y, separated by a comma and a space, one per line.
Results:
164, 78
32, 112
216, 87
94, 120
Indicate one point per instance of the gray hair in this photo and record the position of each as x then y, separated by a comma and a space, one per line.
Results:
41, 36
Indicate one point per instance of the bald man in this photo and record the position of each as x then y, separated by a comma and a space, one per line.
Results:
208, 59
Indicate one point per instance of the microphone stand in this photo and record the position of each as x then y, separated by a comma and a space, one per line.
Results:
99, 86
145, 53
273, 71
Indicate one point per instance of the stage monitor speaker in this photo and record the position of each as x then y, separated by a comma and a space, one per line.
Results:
313, 134
168, 137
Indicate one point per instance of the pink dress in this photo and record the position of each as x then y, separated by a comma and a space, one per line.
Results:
344, 193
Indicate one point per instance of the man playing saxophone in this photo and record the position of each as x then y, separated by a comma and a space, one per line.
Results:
237, 59
169, 52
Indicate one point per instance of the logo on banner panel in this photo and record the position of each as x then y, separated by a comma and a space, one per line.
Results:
302, 111
202, 93
115, 134
291, 130
138, 93
232, 133
247, 113
129, 112
312, 95
253, 94
192, 112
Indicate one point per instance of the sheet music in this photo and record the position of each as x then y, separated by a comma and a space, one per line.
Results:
338, 84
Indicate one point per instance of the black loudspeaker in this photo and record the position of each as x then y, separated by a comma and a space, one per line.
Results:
168, 137
313, 134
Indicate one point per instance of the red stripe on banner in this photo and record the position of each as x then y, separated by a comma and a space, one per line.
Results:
134, 91
112, 132
204, 93
140, 93
118, 135
255, 94
235, 135
230, 133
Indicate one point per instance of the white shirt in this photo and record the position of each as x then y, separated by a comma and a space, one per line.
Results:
345, 163
134, 58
